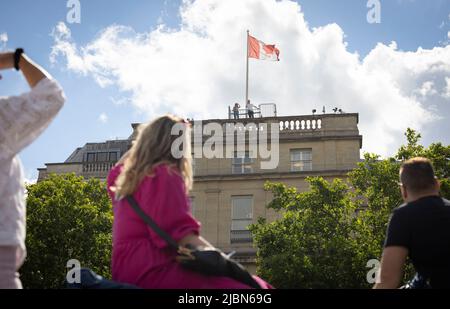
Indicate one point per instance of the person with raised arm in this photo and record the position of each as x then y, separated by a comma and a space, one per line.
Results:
22, 119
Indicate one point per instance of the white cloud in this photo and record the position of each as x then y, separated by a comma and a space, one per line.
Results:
427, 89
120, 101
3, 40
446, 93
103, 118
199, 69
30, 181
30, 178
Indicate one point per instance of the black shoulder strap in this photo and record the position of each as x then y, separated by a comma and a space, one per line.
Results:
169, 240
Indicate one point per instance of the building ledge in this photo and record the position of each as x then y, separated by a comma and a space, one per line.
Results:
265, 175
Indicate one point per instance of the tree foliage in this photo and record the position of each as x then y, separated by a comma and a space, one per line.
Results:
326, 235
67, 218
312, 243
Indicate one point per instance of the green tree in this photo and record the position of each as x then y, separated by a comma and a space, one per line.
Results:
67, 218
326, 236
436, 152
375, 183
313, 243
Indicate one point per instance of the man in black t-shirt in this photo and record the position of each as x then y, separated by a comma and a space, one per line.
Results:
420, 229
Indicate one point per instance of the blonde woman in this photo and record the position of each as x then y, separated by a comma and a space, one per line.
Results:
160, 183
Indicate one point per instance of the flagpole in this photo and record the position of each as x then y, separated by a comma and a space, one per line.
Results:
246, 77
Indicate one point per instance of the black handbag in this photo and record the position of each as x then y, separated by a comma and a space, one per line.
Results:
208, 261
418, 282
89, 280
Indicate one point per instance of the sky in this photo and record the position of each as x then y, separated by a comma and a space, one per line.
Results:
130, 61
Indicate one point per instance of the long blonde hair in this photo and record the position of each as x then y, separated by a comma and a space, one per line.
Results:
152, 147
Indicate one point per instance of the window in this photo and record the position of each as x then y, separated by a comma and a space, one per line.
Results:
90, 157
241, 218
242, 164
301, 160
113, 156
102, 156
193, 164
192, 201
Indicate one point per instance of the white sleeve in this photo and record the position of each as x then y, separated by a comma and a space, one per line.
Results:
23, 118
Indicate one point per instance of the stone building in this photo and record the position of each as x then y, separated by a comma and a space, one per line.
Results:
228, 193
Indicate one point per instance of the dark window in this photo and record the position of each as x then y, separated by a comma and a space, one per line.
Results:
102, 156
241, 218
113, 156
242, 164
90, 157
192, 200
301, 160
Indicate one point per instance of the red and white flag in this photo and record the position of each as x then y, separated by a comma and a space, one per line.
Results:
259, 50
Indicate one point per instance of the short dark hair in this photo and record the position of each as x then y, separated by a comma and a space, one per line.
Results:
417, 174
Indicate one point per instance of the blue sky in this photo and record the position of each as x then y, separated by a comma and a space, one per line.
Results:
412, 24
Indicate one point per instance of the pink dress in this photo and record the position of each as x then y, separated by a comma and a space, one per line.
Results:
139, 256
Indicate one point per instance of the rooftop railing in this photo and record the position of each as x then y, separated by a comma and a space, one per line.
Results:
240, 236
89, 167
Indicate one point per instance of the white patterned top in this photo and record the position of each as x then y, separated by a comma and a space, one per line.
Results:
22, 119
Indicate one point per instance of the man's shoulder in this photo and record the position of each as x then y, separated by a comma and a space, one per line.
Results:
446, 202
418, 205
429, 200
403, 208
407, 208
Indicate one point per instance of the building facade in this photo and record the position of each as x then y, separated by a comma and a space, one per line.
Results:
228, 193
